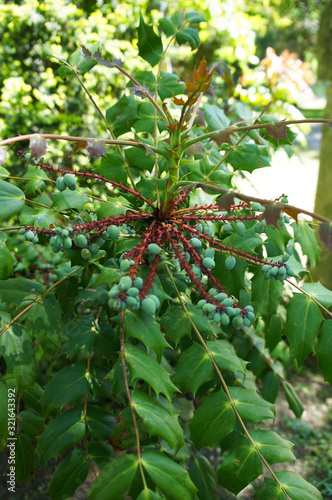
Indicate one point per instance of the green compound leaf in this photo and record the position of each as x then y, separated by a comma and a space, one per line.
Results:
170, 25
213, 420
17, 349
302, 324
225, 357
273, 448
7, 261
69, 475
240, 467
203, 477
114, 479
158, 420
319, 292
189, 35
250, 406
20, 291
305, 235
176, 323
324, 350
144, 366
296, 487
150, 47
293, 400
215, 117
11, 200
266, 295
69, 199
46, 320
194, 369
25, 459
142, 326
273, 333
168, 476
249, 157
64, 431
65, 387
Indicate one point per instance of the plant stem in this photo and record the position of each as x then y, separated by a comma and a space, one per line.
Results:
35, 203
208, 135
130, 401
224, 385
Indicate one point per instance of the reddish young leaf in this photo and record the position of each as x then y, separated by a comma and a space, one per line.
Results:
225, 202
278, 131
78, 145
95, 149
223, 137
271, 214
178, 101
195, 149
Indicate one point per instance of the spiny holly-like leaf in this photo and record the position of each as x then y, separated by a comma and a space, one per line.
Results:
194, 369
305, 235
78, 145
195, 149
213, 420
64, 431
240, 467
271, 214
278, 131
303, 321
293, 400
250, 406
297, 488
225, 357
322, 294
158, 421
25, 457
325, 235
274, 448
149, 44
38, 146
176, 323
146, 367
114, 479
223, 137
168, 476
204, 477
324, 350
68, 475
95, 148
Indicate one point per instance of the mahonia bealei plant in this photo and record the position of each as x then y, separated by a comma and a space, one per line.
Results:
150, 295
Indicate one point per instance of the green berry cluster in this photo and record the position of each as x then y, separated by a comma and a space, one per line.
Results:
29, 235
239, 227
226, 314
279, 273
62, 240
67, 181
125, 295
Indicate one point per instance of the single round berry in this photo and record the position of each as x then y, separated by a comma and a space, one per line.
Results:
133, 291
213, 292
285, 257
155, 300
227, 228
207, 230
195, 242
29, 235
208, 263
94, 249
217, 317
240, 228
265, 268
221, 296
85, 254
201, 303
230, 263
80, 241
22, 230
209, 252
113, 232
237, 322
154, 249
131, 302
138, 283
60, 183
125, 283
224, 319
228, 302
35, 239
124, 265
148, 306
67, 242
70, 181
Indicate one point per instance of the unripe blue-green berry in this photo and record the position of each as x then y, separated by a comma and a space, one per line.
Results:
199, 228
209, 252
35, 239
196, 271
195, 242
70, 181
201, 303
207, 230
60, 183
249, 308
228, 302
29, 235
213, 291
285, 257
250, 316
237, 322
80, 241
55, 248
131, 301
113, 232
217, 317
94, 249
133, 291
230, 263
227, 228
289, 250
155, 300
148, 306
85, 254
52, 240
154, 249
208, 263
67, 243
265, 268
125, 283
240, 228
221, 296
259, 228
274, 271
124, 265
224, 319
22, 230
138, 283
